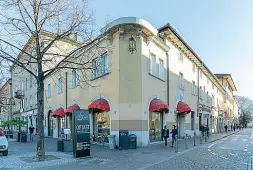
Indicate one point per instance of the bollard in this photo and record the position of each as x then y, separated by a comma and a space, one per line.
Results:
185, 141
205, 136
194, 139
201, 140
176, 144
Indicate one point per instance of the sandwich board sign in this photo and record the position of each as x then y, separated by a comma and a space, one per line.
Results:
81, 133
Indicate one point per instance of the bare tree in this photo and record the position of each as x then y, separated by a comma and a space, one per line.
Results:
24, 41
246, 109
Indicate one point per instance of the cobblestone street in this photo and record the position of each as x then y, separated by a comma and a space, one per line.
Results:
155, 156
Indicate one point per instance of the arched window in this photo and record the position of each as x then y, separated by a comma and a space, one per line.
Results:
74, 79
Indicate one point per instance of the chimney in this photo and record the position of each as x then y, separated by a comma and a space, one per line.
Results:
77, 37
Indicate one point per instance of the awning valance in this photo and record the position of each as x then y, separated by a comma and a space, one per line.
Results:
158, 105
101, 104
59, 112
183, 108
71, 108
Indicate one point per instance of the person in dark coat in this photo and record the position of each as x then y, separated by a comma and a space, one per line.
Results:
174, 133
166, 135
226, 128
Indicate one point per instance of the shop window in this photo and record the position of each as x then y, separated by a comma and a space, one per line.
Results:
155, 126
101, 127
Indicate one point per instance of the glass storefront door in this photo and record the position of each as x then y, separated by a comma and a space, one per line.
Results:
155, 126
101, 127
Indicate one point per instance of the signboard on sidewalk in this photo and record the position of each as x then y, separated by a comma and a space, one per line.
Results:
81, 133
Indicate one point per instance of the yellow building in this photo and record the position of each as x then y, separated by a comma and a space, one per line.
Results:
141, 80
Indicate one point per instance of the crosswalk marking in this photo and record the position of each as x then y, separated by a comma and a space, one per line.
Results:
245, 140
234, 139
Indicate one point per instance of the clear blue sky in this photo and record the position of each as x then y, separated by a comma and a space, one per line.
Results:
220, 31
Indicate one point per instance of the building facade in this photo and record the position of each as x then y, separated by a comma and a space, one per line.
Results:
5, 101
25, 85
161, 81
229, 106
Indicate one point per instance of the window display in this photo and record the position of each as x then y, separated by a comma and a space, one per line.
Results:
155, 126
101, 127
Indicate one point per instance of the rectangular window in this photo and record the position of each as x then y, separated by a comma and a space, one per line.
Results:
59, 85
100, 66
200, 74
181, 80
193, 88
31, 80
200, 92
207, 81
26, 84
181, 57
161, 69
193, 67
213, 86
207, 97
103, 64
49, 91
74, 79
152, 64
95, 68
31, 100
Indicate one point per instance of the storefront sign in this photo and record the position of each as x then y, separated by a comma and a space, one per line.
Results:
204, 108
81, 133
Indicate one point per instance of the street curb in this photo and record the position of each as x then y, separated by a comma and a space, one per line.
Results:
223, 137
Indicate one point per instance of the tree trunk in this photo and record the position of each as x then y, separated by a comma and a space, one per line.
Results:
40, 115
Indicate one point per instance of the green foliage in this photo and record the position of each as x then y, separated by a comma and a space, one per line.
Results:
13, 122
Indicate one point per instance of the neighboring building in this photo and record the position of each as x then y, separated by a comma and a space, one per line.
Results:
5, 101
139, 91
25, 85
228, 100
236, 112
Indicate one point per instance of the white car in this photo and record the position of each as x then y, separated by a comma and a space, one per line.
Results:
3, 143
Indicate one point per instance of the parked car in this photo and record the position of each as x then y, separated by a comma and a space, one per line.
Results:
3, 143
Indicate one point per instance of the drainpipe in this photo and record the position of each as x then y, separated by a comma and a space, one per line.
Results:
168, 79
66, 98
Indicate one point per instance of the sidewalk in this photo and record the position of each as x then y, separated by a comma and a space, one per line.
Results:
133, 157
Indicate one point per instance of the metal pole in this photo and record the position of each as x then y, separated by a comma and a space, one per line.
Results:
176, 144
194, 139
185, 142
206, 136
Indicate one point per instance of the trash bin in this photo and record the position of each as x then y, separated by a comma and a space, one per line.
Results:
112, 141
60, 146
23, 137
132, 141
123, 139
18, 137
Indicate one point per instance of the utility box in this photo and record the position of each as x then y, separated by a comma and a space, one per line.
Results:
123, 140
132, 141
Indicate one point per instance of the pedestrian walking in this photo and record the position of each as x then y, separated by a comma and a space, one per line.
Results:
207, 131
226, 128
31, 130
166, 135
234, 128
174, 133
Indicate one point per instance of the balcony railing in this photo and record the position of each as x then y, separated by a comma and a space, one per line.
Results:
19, 94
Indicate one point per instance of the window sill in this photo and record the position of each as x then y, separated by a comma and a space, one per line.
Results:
156, 77
95, 78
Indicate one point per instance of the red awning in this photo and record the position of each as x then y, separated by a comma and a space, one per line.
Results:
70, 109
182, 107
101, 104
157, 105
59, 112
